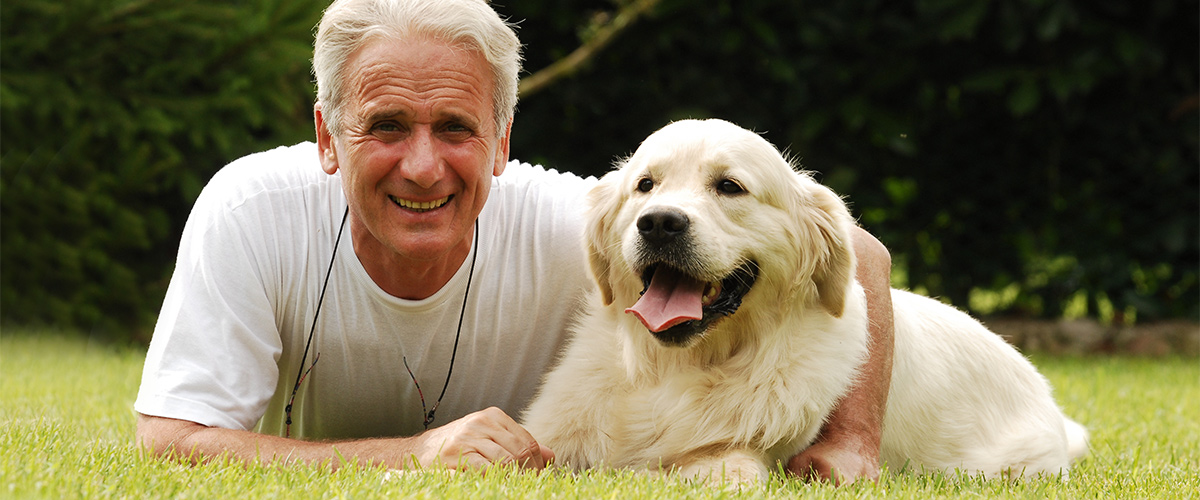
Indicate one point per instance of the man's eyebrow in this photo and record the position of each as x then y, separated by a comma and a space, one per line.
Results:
379, 114
443, 115
458, 116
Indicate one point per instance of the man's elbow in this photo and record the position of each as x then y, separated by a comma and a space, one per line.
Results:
872, 255
167, 437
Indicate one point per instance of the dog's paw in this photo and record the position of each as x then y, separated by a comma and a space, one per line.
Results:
732, 470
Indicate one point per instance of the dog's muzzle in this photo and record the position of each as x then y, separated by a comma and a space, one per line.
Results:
677, 304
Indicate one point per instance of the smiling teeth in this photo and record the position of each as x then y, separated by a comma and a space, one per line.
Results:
420, 206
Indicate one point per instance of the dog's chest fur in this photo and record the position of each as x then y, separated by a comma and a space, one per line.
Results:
646, 405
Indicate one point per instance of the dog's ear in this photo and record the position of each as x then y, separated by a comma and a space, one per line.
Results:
830, 247
603, 202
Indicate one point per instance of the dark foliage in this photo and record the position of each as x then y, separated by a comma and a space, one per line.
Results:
1044, 149
115, 113
1047, 149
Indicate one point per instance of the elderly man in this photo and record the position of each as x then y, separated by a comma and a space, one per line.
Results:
399, 304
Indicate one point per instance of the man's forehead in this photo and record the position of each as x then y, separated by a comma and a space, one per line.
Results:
418, 59
390, 76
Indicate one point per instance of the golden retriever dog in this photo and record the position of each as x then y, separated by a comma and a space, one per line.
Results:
727, 324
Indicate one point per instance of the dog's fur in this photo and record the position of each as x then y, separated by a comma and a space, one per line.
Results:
749, 389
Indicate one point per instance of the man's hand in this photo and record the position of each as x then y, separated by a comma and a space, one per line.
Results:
839, 462
476, 440
848, 447
479, 439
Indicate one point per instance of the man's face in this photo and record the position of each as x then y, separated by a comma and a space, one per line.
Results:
418, 149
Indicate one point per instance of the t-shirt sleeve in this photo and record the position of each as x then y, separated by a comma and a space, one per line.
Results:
213, 356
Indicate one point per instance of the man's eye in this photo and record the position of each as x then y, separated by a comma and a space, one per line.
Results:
386, 128
457, 129
456, 132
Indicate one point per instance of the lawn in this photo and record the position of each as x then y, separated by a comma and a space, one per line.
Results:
66, 431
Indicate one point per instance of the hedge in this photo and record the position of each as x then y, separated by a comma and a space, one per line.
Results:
1016, 156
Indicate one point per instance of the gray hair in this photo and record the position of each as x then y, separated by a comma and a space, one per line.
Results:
348, 25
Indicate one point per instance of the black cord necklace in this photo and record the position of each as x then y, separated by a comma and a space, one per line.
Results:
458, 332
303, 373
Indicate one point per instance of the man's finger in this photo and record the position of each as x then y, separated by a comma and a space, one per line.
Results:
519, 443
468, 460
530, 456
500, 439
547, 454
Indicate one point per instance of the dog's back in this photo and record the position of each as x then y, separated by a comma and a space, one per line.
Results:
962, 398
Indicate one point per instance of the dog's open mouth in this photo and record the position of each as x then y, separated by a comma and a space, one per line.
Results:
676, 307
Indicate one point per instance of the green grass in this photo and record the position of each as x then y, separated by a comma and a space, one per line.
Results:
66, 431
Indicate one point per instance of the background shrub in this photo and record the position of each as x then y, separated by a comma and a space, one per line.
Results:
115, 113
1039, 157
1016, 156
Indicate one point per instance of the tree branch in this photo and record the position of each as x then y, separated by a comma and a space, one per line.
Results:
570, 64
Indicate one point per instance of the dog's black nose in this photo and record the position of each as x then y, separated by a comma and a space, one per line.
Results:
662, 226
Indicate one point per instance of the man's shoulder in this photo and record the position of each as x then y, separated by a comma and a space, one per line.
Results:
282, 165
285, 168
523, 176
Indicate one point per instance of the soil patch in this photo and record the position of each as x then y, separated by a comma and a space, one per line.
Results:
1086, 336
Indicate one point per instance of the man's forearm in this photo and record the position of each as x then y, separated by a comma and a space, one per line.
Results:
476, 440
849, 445
861, 411
196, 443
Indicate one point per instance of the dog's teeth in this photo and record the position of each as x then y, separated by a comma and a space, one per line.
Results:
711, 292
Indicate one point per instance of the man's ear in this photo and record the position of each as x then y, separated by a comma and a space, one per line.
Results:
325, 149
501, 159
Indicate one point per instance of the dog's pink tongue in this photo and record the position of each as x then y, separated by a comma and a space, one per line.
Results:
671, 299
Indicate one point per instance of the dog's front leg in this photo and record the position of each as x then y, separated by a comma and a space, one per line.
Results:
730, 468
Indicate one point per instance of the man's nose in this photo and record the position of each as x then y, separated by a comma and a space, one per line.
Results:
421, 163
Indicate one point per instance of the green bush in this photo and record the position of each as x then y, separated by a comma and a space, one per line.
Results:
1020, 156
115, 113
1043, 151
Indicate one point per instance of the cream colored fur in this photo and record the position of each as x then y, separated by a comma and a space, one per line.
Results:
756, 388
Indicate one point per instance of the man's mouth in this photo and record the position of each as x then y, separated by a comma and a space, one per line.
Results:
676, 307
420, 206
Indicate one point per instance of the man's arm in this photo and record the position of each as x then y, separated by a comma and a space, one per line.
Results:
476, 440
848, 447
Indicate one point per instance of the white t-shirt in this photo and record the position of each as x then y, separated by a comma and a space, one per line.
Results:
255, 251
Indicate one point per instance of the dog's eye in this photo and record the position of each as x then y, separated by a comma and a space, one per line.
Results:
645, 185
729, 186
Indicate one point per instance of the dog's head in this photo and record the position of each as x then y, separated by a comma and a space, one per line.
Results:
706, 215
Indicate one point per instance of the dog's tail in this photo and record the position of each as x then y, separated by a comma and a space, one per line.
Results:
1077, 439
